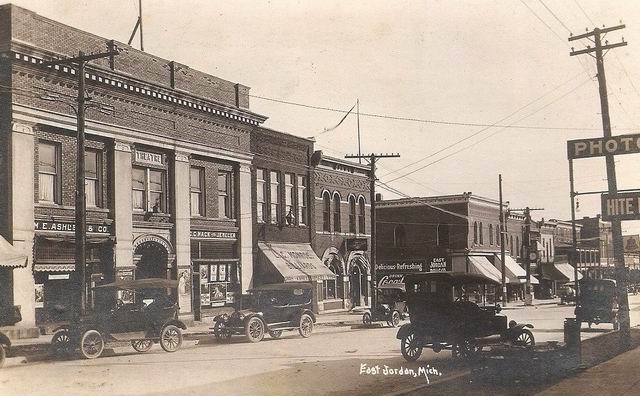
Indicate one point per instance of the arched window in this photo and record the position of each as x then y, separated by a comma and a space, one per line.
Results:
326, 211
336, 213
475, 232
498, 239
399, 236
490, 234
481, 238
511, 244
361, 213
517, 246
334, 288
352, 214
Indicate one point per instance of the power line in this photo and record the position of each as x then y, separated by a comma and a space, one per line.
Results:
554, 15
585, 14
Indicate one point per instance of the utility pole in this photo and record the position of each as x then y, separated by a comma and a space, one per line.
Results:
138, 25
502, 240
616, 228
80, 62
528, 254
372, 179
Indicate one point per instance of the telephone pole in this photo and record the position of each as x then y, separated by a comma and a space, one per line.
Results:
528, 253
502, 241
596, 36
372, 179
79, 63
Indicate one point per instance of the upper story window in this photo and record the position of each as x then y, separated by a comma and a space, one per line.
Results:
399, 236
274, 184
361, 216
475, 232
197, 191
511, 244
490, 234
352, 214
148, 189
481, 238
518, 247
224, 195
92, 173
261, 195
326, 212
302, 200
498, 237
336, 213
49, 172
288, 198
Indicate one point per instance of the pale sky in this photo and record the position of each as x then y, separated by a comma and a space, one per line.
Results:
469, 62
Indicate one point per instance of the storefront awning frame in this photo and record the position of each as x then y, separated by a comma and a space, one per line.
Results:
10, 257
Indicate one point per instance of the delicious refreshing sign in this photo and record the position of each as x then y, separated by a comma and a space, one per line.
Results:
621, 206
598, 147
431, 264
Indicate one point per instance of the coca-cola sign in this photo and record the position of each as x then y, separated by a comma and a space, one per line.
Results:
391, 279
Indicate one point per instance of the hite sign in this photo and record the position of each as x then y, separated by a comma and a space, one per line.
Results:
621, 206
598, 147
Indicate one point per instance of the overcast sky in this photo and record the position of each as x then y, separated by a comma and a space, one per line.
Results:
453, 62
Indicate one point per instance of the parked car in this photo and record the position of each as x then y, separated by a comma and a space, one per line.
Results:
567, 294
151, 317
273, 308
391, 306
9, 316
440, 320
598, 302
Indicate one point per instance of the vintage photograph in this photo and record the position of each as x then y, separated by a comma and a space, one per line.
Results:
259, 197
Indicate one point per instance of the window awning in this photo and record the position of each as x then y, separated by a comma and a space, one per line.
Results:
54, 267
292, 262
514, 273
559, 272
10, 257
482, 266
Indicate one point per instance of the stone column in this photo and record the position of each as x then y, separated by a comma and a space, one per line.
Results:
182, 221
22, 214
246, 228
122, 207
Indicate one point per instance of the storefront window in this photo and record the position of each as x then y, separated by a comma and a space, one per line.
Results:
302, 200
224, 195
352, 214
288, 197
261, 195
196, 188
333, 288
274, 181
148, 189
92, 169
49, 172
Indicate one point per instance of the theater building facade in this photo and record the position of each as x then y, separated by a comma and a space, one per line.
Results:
168, 171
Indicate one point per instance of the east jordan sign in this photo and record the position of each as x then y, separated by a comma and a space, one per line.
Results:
621, 206
601, 146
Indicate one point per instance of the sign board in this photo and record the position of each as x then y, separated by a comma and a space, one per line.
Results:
218, 294
195, 234
431, 264
631, 243
146, 157
621, 206
391, 279
357, 244
601, 146
70, 226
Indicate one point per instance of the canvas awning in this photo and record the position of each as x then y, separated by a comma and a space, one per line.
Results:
10, 257
482, 266
514, 273
559, 272
292, 262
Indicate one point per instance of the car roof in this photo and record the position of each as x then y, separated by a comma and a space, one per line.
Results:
149, 283
453, 278
283, 286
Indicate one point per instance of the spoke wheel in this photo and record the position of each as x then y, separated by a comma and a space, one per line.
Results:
221, 332
366, 319
170, 338
141, 345
254, 329
410, 348
275, 333
91, 344
525, 339
61, 342
395, 319
306, 326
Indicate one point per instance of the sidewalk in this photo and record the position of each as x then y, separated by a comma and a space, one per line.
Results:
535, 303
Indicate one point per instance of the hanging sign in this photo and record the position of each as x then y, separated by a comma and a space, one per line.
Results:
621, 206
601, 146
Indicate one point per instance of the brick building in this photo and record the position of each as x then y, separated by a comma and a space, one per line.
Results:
168, 170
342, 232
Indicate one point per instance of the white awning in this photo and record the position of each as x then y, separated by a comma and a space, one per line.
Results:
295, 262
568, 272
482, 266
10, 256
513, 272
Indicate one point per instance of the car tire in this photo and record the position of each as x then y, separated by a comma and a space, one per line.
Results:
254, 329
170, 338
91, 344
410, 348
306, 326
275, 333
142, 346
395, 319
366, 319
61, 343
220, 332
525, 338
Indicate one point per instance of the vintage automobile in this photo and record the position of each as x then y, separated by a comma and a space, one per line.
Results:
273, 308
9, 316
442, 317
567, 294
598, 302
391, 306
150, 317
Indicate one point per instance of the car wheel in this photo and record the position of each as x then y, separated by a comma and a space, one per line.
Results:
254, 329
91, 344
275, 333
366, 319
395, 319
61, 343
142, 345
170, 338
221, 332
410, 348
306, 326
3, 355
525, 339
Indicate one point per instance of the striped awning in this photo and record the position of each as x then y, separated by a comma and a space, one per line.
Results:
10, 256
54, 267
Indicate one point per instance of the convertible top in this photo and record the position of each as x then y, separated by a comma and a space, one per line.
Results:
453, 278
283, 286
149, 283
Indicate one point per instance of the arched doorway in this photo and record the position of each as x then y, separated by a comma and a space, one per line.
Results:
358, 282
152, 261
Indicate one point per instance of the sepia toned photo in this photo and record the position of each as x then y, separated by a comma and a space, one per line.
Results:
258, 197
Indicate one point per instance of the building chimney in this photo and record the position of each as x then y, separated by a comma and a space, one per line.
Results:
378, 197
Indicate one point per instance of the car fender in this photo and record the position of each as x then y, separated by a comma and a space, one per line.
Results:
59, 328
308, 312
258, 315
177, 323
4, 340
404, 331
515, 330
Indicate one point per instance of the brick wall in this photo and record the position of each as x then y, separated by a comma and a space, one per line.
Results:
211, 170
5, 149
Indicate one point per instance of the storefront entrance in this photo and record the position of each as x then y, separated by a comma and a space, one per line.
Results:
152, 262
358, 283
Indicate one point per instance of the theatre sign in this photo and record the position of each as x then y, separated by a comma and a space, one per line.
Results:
601, 146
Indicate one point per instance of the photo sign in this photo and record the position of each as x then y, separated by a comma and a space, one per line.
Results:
601, 146
621, 206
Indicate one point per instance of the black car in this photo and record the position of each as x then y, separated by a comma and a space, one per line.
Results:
273, 308
149, 316
9, 316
